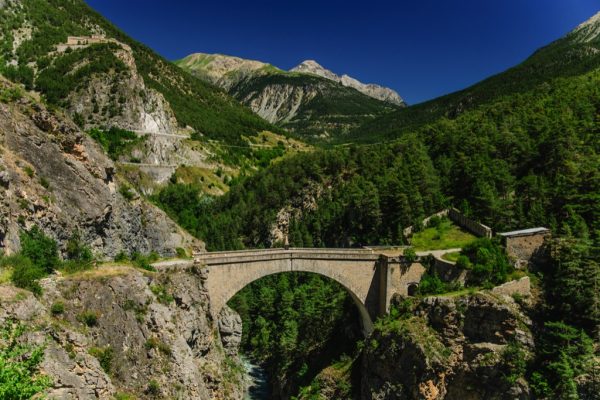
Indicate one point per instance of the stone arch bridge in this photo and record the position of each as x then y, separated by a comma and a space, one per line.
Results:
370, 277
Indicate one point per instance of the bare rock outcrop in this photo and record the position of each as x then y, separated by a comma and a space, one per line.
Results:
119, 329
230, 328
58, 178
449, 348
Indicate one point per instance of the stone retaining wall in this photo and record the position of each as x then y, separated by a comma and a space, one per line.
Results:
467, 223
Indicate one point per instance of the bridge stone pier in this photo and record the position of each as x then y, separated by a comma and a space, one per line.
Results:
371, 278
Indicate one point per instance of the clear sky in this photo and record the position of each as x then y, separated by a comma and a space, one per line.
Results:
420, 48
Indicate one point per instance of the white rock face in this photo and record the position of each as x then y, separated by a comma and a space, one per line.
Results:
371, 90
589, 30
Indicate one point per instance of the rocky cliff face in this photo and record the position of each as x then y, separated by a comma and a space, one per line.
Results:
56, 177
371, 90
309, 99
450, 348
119, 330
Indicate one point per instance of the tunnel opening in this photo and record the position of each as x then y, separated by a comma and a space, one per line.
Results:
295, 324
413, 289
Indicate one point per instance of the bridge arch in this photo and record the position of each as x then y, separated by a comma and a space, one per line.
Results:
358, 271
365, 319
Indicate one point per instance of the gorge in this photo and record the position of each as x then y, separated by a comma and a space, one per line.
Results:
220, 228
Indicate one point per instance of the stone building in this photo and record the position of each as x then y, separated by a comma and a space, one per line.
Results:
522, 245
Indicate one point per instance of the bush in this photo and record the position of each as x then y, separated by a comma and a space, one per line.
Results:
432, 284
25, 274
88, 318
57, 308
153, 388
410, 255
40, 249
76, 250
487, 261
144, 262
104, 356
19, 365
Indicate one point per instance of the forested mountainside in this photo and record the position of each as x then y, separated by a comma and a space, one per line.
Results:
523, 152
314, 103
520, 149
531, 159
31, 30
570, 56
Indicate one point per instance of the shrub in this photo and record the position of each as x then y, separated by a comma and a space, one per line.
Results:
127, 192
487, 261
432, 284
153, 388
40, 249
25, 274
121, 257
181, 253
410, 255
77, 250
104, 356
57, 308
161, 294
144, 262
19, 365
88, 318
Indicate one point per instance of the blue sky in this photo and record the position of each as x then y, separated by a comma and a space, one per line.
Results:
420, 48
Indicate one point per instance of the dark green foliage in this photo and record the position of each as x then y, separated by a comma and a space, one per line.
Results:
515, 362
89, 318
40, 249
161, 293
105, 357
77, 250
410, 255
116, 142
572, 281
564, 353
57, 308
292, 324
61, 77
19, 365
432, 284
25, 274
153, 388
126, 191
396, 181
21, 74
144, 261
487, 261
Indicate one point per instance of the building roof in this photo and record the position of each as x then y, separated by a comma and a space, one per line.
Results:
525, 232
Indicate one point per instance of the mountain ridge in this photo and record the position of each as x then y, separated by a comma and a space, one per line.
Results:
315, 107
370, 89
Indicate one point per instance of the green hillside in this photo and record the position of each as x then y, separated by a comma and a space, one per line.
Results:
567, 57
195, 103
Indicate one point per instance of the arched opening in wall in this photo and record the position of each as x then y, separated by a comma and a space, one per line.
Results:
295, 324
413, 289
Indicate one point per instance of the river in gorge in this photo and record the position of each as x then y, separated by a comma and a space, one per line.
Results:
258, 388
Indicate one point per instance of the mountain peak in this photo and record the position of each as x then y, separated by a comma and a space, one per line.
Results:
313, 67
371, 90
589, 30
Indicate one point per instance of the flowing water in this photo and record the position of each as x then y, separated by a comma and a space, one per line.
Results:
258, 388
